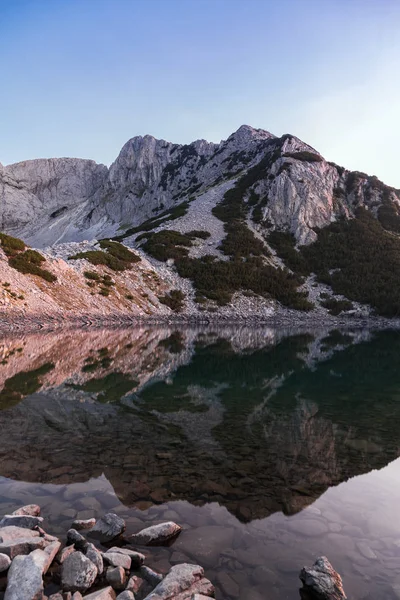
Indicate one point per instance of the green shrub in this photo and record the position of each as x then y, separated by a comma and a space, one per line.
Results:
304, 156
104, 292
119, 251
116, 256
167, 244
11, 245
29, 262
335, 307
284, 244
92, 275
174, 299
199, 233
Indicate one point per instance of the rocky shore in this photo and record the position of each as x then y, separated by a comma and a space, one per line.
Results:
98, 562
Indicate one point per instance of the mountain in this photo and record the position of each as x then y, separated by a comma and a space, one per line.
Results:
256, 214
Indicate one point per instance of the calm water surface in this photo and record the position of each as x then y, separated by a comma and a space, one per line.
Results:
269, 447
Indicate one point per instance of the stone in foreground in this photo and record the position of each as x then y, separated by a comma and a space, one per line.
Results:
156, 534
95, 556
5, 562
201, 589
116, 559
321, 582
24, 580
108, 527
30, 509
78, 573
151, 576
126, 595
104, 594
136, 557
179, 579
116, 578
24, 521
83, 524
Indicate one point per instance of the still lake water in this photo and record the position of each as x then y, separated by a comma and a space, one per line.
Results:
269, 447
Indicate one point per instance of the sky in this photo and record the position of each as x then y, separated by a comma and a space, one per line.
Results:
81, 77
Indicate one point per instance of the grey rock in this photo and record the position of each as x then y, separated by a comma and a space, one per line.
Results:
29, 509
179, 579
103, 594
151, 576
24, 521
5, 562
365, 550
156, 534
136, 557
45, 557
205, 543
62, 554
75, 538
116, 559
116, 577
19, 546
93, 554
200, 597
108, 527
126, 595
24, 581
203, 588
76, 596
321, 581
228, 585
83, 524
134, 584
78, 573
57, 596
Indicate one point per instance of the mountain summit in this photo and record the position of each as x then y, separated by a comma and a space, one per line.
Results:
255, 213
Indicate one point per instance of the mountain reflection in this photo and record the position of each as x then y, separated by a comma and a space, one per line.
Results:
257, 420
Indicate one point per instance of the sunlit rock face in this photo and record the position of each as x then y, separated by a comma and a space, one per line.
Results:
46, 201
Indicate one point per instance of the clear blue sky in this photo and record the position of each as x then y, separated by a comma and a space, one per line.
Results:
81, 77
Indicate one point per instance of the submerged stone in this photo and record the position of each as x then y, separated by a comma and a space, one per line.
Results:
29, 509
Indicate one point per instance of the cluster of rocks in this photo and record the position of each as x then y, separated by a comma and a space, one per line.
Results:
32, 561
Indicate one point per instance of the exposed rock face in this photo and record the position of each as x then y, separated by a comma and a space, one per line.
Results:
321, 582
180, 578
108, 527
156, 534
78, 573
64, 199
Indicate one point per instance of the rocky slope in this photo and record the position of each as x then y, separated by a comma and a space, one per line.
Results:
235, 226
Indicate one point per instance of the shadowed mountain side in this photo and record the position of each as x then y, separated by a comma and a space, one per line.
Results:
256, 430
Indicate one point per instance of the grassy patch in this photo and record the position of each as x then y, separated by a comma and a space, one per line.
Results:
22, 384
110, 388
335, 307
115, 256
29, 262
11, 245
171, 214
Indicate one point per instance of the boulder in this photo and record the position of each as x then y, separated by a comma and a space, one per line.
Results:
156, 535
5, 562
30, 509
62, 554
126, 595
78, 573
116, 577
76, 596
107, 528
75, 538
180, 578
136, 557
24, 546
57, 596
24, 521
24, 579
134, 584
116, 559
93, 554
321, 582
45, 557
103, 594
151, 576
200, 590
200, 597
84, 524
11, 533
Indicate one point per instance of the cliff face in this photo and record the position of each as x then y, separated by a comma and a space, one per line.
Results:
52, 200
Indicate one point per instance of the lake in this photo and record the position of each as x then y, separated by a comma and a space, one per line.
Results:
270, 447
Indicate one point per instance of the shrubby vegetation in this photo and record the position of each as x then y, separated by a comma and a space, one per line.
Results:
335, 307
26, 261
171, 214
359, 260
115, 256
305, 156
174, 299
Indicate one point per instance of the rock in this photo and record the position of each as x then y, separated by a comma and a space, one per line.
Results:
108, 527
75, 538
202, 588
76, 596
200, 597
5, 562
11, 533
62, 554
93, 554
45, 557
126, 595
83, 524
116, 559
20, 546
151, 576
136, 557
116, 577
103, 594
134, 584
366, 551
57, 596
179, 579
24, 581
78, 573
24, 521
30, 509
205, 543
308, 527
321, 581
156, 535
